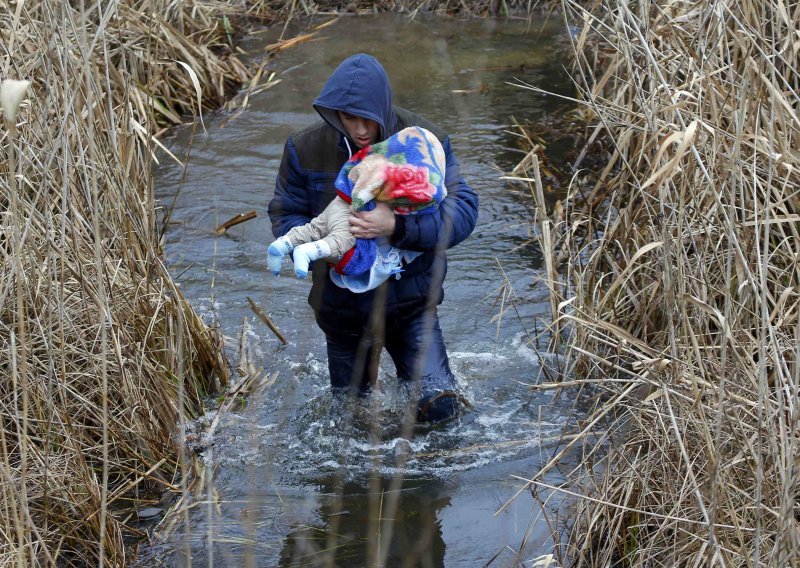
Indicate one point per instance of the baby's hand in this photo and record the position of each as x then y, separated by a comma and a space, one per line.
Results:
307, 253
275, 253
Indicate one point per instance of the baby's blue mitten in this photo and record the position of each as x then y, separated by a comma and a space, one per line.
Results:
307, 253
275, 253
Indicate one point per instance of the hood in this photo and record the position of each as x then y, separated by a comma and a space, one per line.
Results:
359, 86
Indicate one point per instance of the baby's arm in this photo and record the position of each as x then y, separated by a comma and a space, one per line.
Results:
336, 229
327, 235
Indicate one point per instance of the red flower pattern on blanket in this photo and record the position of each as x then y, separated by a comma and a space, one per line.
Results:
408, 182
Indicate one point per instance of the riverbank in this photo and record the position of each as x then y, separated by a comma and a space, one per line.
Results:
681, 257
103, 359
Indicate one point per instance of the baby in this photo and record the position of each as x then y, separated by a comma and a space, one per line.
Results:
406, 171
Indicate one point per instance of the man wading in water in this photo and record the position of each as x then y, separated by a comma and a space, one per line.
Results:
400, 315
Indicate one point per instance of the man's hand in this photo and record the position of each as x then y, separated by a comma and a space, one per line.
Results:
371, 224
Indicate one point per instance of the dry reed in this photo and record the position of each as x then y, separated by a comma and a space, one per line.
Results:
684, 285
306, 8
102, 357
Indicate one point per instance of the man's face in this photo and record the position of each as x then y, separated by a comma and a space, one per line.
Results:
362, 131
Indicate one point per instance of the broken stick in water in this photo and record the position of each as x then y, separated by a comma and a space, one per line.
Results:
265, 318
235, 220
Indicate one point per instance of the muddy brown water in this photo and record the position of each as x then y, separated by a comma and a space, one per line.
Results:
298, 476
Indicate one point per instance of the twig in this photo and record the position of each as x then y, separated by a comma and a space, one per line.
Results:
265, 318
235, 220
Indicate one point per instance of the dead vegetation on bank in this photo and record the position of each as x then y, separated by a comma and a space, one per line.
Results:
682, 285
304, 8
100, 356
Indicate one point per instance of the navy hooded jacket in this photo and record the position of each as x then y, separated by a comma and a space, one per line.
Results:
311, 161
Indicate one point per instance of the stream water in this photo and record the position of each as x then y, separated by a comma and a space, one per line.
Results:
300, 478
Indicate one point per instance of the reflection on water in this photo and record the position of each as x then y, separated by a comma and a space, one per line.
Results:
349, 533
298, 477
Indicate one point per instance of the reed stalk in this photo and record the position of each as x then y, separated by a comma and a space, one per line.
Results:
682, 257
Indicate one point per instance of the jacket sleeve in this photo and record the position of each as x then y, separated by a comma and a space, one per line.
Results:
451, 223
290, 205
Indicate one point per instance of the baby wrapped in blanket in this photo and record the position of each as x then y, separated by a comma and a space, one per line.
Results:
406, 171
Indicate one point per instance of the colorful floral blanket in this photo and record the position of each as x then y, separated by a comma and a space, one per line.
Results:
406, 171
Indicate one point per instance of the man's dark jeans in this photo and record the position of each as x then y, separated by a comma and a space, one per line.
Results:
415, 345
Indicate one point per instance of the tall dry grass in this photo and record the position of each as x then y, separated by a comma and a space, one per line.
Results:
684, 285
304, 8
102, 359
